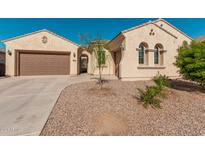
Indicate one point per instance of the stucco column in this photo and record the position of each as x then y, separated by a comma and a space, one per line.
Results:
122, 66
150, 57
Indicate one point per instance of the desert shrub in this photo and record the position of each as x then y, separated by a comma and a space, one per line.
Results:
161, 80
152, 95
149, 96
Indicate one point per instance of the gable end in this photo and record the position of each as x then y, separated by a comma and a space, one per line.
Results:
44, 30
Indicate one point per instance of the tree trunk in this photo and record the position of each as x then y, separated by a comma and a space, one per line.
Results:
100, 78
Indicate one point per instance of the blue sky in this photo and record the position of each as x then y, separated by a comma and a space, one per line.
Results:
70, 28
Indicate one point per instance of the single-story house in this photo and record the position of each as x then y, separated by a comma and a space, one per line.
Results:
2, 61
137, 53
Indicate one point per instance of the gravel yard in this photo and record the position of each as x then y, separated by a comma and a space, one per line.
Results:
83, 109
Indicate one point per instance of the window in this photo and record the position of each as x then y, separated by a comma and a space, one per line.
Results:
156, 55
141, 54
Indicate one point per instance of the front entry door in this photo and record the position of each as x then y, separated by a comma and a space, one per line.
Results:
83, 64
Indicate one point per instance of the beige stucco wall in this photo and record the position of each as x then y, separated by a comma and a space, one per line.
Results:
129, 66
172, 30
34, 42
108, 68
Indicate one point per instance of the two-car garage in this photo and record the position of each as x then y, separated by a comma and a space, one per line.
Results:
42, 63
40, 53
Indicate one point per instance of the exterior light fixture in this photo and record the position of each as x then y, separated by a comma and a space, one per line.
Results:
74, 55
9, 52
122, 47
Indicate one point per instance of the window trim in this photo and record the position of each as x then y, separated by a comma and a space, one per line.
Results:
143, 54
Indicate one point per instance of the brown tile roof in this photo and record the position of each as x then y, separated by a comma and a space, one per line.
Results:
201, 38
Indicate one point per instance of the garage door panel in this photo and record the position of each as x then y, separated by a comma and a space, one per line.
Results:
44, 64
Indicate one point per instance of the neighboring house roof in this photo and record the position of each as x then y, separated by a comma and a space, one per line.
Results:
43, 30
102, 41
92, 42
200, 39
154, 23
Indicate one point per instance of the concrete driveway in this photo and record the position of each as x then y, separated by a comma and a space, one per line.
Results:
26, 102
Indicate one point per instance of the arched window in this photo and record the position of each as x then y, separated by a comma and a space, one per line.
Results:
142, 56
158, 54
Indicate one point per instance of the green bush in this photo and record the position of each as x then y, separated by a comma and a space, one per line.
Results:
161, 80
191, 61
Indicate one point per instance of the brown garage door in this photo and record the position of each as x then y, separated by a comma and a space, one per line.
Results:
43, 63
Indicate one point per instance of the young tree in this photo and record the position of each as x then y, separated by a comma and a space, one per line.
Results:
96, 46
191, 61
